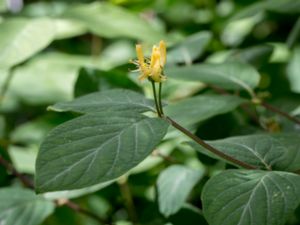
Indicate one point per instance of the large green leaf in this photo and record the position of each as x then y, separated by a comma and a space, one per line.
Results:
174, 185
265, 151
293, 70
22, 38
22, 207
114, 100
239, 197
66, 28
229, 75
283, 6
196, 109
108, 20
189, 49
52, 81
280, 6
95, 148
256, 55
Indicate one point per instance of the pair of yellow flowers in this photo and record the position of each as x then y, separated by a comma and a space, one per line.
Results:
152, 68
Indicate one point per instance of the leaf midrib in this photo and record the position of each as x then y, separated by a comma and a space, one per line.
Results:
95, 152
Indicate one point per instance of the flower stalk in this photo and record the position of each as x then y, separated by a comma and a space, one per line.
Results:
153, 70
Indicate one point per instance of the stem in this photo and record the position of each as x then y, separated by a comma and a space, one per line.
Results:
77, 208
126, 194
155, 98
209, 147
6, 83
9, 167
159, 98
96, 45
282, 113
167, 158
264, 104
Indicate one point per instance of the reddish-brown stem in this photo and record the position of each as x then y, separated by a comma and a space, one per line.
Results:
25, 181
264, 104
209, 147
77, 208
164, 157
280, 112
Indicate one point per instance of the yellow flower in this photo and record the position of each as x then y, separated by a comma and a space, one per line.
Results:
153, 68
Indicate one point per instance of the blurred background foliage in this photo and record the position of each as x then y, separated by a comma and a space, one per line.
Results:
52, 51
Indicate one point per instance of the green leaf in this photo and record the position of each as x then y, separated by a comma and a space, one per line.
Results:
249, 11
52, 81
22, 207
229, 75
294, 34
196, 109
87, 82
256, 55
264, 151
190, 49
95, 148
111, 21
2, 126
280, 6
22, 38
113, 100
69, 194
93, 80
296, 111
283, 6
66, 28
293, 69
174, 185
250, 197
23, 158
3, 6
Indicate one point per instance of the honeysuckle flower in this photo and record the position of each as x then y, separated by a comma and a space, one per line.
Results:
151, 68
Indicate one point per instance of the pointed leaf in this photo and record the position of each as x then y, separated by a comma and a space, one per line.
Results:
117, 99
174, 185
108, 20
196, 109
22, 38
250, 197
95, 148
293, 69
265, 151
229, 75
190, 49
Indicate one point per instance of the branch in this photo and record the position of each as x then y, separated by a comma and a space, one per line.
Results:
77, 208
280, 112
209, 147
167, 158
6, 84
262, 103
25, 181
127, 197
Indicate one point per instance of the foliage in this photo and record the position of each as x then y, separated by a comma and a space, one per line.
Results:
83, 141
